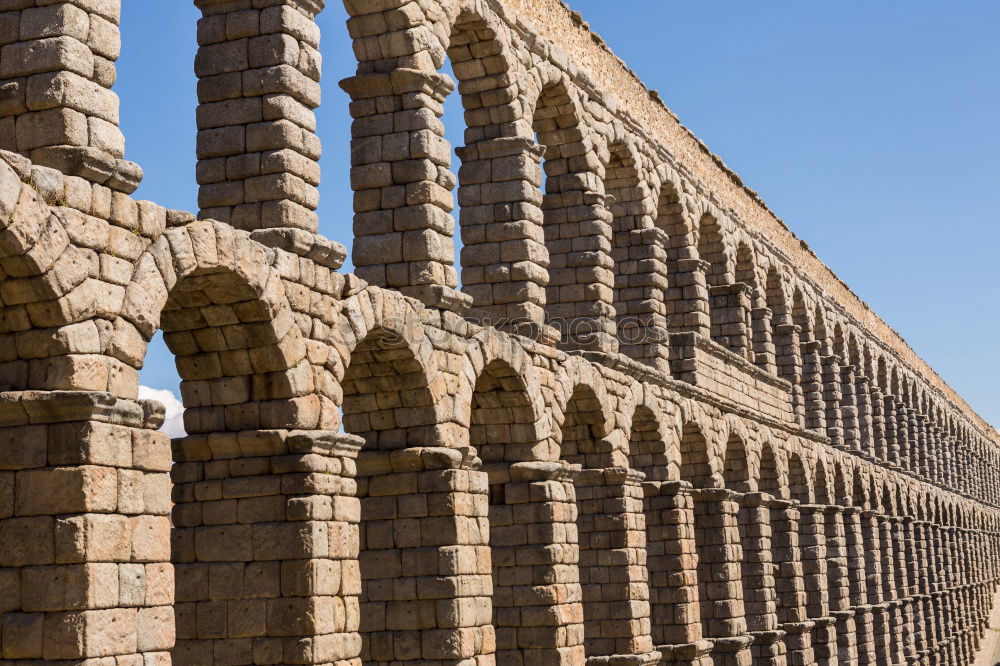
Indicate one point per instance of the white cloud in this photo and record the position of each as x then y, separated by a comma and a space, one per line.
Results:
173, 425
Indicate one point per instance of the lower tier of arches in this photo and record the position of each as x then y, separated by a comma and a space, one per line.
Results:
307, 547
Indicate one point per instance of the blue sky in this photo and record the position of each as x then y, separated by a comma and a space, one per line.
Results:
869, 127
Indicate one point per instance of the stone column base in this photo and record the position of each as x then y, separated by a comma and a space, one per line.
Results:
732, 651
768, 648
687, 654
824, 639
847, 636
798, 640
865, 642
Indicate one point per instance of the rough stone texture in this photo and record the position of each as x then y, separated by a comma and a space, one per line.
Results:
651, 428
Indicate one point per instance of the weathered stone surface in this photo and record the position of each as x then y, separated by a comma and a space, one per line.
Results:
664, 432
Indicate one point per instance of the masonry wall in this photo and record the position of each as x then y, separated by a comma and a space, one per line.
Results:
649, 428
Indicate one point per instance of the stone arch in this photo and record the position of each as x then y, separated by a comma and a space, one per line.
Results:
769, 478
747, 301
776, 296
699, 465
649, 450
251, 393
498, 376
859, 489
713, 248
631, 207
504, 430
799, 486
736, 466
240, 354
888, 500
673, 216
822, 490
801, 315
875, 492
583, 416
841, 489
627, 192
821, 330
391, 396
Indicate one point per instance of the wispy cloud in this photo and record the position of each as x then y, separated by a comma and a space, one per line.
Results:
173, 425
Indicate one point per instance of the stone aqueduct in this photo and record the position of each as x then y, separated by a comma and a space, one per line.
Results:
651, 427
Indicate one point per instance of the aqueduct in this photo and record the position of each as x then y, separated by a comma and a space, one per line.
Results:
650, 427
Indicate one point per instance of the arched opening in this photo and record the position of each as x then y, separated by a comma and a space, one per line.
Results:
502, 431
631, 212
759, 346
787, 358
718, 277
822, 490
769, 480
696, 466
387, 402
246, 383
754, 522
583, 429
715, 543
560, 140
502, 253
798, 482
736, 469
683, 312
647, 447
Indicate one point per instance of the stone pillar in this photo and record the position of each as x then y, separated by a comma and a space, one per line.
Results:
904, 437
258, 83
839, 585
905, 583
858, 588
812, 387
812, 539
763, 344
504, 259
892, 433
849, 411
720, 585
789, 584
758, 569
57, 67
935, 450
918, 551
789, 360
85, 568
613, 574
265, 547
890, 566
833, 396
938, 586
730, 310
918, 454
580, 294
537, 601
880, 442
673, 574
425, 565
641, 287
402, 184
874, 583
862, 397
922, 445
687, 297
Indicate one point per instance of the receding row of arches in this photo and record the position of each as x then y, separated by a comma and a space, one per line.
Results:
572, 219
